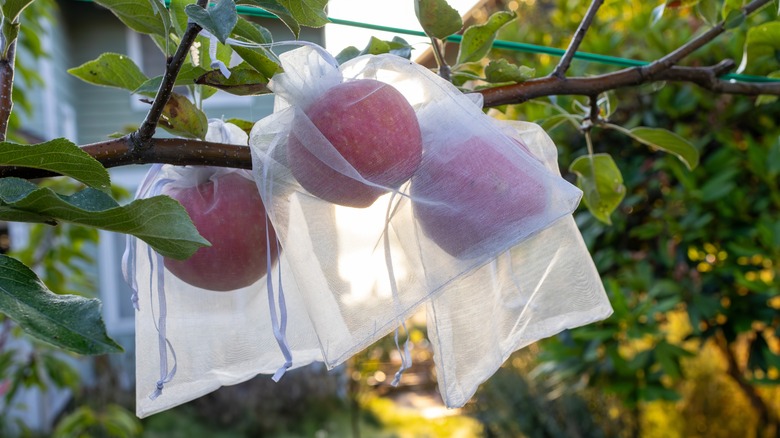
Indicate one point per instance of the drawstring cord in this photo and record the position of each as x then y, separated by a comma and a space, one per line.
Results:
406, 355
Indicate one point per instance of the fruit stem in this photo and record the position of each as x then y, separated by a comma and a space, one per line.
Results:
444, 69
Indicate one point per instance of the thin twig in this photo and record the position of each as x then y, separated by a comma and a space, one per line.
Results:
444, 69
6, 88
691, 46
141, 138
579, 35
595, 112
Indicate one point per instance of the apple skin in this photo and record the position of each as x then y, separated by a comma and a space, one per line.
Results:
373, 127
470, 194
227, 210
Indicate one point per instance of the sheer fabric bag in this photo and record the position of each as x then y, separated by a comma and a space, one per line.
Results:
536, 289
367, 247
193, 338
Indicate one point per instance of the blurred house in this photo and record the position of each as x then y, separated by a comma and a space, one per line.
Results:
67, 107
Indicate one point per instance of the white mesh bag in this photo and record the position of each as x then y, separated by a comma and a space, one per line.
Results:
536, 289
222, 318
380, 202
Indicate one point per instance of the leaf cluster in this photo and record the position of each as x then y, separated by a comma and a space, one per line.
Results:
690, 256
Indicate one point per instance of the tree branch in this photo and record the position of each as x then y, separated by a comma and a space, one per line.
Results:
141, 138
6, 88
579, 35
704, 77
691, 46
177, 151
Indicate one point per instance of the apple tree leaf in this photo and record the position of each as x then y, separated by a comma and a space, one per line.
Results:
437, 18
159, 221
179, 18
347, 53
252, 32
243, 81
601, 182
258, 57
309, 13
219, 19
111, 70
138, 15
60, 156
181, 117
12, 8
245, 125
478, 39
762, 40
709, 11
667, 141
70, 322
501, 70
277, 9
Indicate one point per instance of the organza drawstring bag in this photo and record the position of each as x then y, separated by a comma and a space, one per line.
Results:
384, 184
218, 319
536, 289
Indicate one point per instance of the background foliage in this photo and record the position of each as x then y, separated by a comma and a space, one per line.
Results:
690, 260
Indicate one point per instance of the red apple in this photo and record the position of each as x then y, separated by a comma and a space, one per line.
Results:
227, 210
471, 195
372, 126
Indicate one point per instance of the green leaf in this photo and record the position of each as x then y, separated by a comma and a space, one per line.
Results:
601, 183
219, 19
277, 9
159, 221
243, 81
501, 70
609, 103
348, 53
253, 32
111, 70
734, 19
138, 15
478, 39
667, 141
375, 47
182, 117
178, 16
60, 156
66, 321
159, 8
761, 40
245, 125
260, 59
60, 371
187, 76
708, 10
12, 9
309, 13
437, 18
398, 46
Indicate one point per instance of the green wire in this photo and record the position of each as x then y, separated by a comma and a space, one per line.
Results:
498, 44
